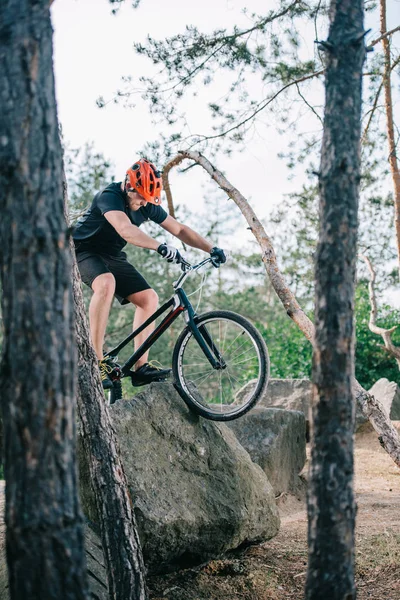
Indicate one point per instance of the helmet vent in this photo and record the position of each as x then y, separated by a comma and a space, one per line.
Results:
146, 179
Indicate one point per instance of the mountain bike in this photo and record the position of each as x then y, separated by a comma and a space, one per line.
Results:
220, 362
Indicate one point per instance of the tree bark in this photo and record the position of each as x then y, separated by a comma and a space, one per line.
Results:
394, 166
331, 506
167, 188
370, 406
44, 538
120, 541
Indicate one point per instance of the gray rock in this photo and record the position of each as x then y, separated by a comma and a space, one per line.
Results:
388, 393
196, 491
276, 440
289, 394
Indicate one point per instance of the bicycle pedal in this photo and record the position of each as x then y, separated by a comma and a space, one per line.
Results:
138, 383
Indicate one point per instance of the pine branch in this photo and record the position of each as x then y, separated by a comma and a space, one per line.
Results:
382, 37
261, 106
308, 104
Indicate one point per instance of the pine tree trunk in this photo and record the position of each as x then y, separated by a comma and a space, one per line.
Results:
120, 541
394, 166
331, 506
45, 547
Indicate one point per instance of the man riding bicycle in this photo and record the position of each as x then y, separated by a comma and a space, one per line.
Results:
112, 221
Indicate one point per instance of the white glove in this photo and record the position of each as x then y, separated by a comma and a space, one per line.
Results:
170, 253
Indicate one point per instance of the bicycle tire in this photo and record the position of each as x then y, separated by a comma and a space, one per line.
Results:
182, 385
114, 393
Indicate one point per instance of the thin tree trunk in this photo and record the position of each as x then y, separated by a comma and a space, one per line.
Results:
331, 506
120, 541
44, 537
394, 166
370, 406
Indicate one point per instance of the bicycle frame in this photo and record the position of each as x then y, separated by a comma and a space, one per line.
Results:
180, 303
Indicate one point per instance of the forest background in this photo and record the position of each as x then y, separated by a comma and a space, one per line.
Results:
273, 155
110, 115
182, 68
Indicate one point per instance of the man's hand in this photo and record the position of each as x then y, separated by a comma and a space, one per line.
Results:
170, 253
218, 256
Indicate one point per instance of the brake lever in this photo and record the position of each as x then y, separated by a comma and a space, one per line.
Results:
185, 266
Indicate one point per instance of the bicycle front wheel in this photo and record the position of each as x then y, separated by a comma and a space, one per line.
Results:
234, 387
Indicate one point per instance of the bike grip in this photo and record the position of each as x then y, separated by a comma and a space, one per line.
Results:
163, 250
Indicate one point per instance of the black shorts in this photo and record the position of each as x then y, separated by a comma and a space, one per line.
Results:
128, 280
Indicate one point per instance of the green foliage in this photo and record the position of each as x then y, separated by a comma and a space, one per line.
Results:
290, 352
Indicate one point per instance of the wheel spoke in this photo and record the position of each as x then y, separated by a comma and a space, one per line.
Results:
221, 391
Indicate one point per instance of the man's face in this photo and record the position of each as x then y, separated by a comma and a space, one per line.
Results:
135, 200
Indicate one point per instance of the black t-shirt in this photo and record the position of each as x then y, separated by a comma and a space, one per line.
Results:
92, 230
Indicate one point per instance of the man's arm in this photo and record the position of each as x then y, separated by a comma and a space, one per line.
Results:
185, 234
130, 232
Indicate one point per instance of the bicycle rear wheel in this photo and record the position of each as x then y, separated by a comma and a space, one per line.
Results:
232, 389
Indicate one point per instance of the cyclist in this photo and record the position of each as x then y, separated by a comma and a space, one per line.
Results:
112, 221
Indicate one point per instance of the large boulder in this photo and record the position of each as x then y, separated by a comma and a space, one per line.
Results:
388, 393
196, 491
289, 394
276, 440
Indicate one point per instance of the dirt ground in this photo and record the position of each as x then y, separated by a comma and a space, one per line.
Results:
276, 570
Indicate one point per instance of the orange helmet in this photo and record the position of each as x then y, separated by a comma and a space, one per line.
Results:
143, 177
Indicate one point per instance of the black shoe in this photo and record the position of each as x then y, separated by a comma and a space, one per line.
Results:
148, 373
105, 368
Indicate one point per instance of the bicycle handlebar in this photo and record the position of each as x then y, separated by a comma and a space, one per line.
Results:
186, 268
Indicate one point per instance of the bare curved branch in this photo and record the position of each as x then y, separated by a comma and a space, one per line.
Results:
167, 188
386, 334
369, 405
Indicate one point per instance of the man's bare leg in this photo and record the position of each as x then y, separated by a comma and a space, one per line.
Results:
99, 309
146, 303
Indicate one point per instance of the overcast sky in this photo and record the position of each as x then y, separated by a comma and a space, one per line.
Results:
93, 50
